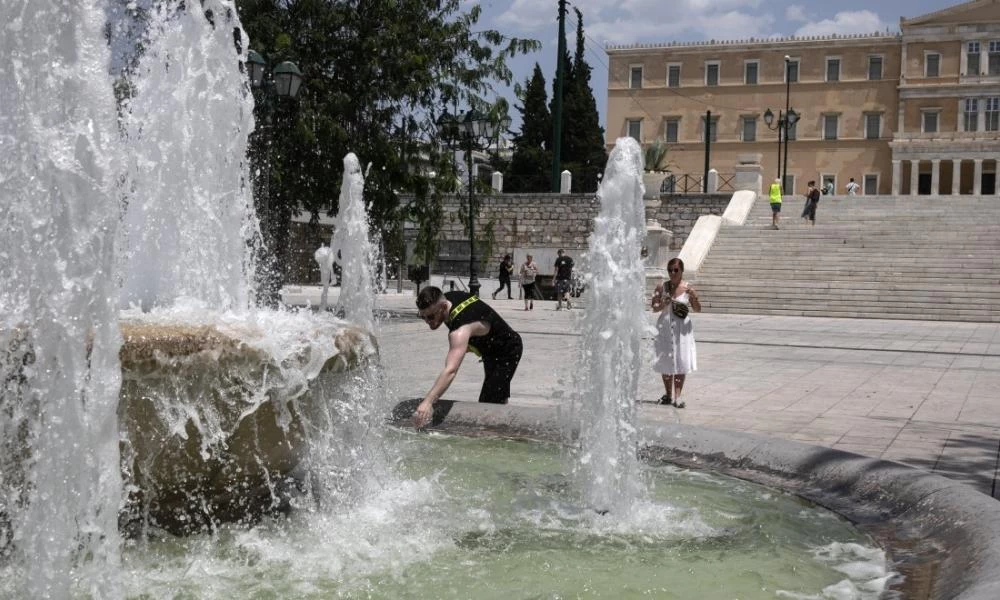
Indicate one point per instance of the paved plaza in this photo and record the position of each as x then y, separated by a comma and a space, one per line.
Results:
921, 393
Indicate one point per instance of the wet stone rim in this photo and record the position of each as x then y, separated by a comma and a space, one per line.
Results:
941, 535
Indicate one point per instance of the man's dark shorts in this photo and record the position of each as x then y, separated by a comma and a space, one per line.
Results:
499, 372
776, 207
562, 286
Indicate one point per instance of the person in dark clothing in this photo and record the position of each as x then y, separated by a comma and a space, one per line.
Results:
506, 268
473, 327
812, 200
564, 273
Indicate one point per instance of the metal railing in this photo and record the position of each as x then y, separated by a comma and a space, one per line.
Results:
693, 184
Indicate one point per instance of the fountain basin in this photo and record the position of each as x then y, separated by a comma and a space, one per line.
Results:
941, 535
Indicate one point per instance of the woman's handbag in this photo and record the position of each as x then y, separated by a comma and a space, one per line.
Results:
680, 309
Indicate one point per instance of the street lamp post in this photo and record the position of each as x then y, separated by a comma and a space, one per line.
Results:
269, 86
785, 122
791, 117
471, 130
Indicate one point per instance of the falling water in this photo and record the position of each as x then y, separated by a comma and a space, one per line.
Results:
356, 252
59, 477
189, 222
612, 328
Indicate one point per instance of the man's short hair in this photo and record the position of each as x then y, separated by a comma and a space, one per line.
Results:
560, 252
428, 297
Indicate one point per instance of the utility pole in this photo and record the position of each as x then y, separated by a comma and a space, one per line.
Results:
708, 149
557, 104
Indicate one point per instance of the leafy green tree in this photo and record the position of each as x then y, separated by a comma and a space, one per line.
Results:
530, 164
377, 75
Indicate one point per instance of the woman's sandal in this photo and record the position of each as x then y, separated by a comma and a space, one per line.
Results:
680, 405
665, 399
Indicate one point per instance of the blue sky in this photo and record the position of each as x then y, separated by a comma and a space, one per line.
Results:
632, 21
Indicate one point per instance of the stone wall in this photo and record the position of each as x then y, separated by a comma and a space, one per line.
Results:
521, 221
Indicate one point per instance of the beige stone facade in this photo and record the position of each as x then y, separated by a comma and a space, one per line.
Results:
901, 113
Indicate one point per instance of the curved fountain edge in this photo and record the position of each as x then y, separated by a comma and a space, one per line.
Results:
941, 534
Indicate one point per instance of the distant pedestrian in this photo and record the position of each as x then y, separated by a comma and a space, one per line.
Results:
853, 188
812, 200
674, 347
564, 273
528, 273
505, 270
828, 188
775, 195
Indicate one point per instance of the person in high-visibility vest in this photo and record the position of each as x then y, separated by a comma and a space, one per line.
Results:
775, 193
473, 326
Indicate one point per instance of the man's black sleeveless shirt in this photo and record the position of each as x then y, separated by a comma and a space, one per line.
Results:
501, 338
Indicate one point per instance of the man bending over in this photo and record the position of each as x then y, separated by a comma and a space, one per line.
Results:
473, 327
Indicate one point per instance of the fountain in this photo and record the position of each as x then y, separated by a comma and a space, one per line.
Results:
197, 409
613, 325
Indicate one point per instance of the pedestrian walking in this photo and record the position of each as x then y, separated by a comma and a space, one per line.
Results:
505, 270
853, 188
775, 197
564, 273
528, 273
812, 200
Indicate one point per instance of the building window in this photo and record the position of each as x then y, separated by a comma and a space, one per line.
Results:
930, 121
715, 129
749, 129
673, 76
873, 126
871, 185
833, 69
993, 114
750, 69
791, 134
932, 64
789, 185
671, 129
830, 123
972, 59
712, 73
635, 78
971, 114
635, 129
994, 58
792, 71
874, 68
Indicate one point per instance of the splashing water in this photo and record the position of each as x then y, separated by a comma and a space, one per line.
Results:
189, 224
612, 329
59, 477
356, 253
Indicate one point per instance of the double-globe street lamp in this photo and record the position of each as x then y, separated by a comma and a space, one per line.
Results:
471, 130
269, 86
785, 121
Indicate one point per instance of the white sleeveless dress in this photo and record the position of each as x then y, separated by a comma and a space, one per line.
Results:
674, 349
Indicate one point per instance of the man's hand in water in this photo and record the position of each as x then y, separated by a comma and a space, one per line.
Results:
422, 415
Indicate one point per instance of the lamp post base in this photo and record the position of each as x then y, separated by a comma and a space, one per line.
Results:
474, 285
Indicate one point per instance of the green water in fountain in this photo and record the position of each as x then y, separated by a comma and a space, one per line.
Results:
484, 518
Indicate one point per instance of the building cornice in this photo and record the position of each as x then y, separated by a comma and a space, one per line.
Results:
759, 43
908, 92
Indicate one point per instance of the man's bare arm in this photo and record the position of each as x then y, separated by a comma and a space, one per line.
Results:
458, 344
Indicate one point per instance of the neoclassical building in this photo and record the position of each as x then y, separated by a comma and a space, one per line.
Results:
914, 112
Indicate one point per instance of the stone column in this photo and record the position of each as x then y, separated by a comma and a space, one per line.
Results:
984, 59
977, 177
981, 116
914, 177
935, 176
565, 182
498, 181
897, 175
956, 176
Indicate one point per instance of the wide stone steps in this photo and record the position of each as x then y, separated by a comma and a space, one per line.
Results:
867, 257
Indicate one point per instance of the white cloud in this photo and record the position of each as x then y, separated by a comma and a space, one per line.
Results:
795, 12
857, 21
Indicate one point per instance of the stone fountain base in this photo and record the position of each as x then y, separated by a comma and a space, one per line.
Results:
215, 421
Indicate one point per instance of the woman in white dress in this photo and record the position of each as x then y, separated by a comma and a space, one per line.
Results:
674, 346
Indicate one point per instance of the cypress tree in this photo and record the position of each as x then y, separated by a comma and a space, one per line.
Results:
584, 152
532, 157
